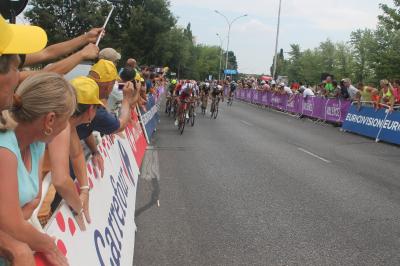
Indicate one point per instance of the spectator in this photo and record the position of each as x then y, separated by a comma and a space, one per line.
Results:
105, 74
396, 90
352, 91
42, 106
387, 94
343, 93
110, 54
67, 145
18, 253
336, 90
20, 40
285, 89
115, 99
329, 88
307, 92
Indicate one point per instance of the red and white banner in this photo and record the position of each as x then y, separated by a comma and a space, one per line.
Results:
109, 239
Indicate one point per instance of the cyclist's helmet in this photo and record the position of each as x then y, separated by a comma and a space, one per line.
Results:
173, 82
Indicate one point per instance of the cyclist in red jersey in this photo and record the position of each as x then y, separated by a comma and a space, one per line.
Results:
185, 92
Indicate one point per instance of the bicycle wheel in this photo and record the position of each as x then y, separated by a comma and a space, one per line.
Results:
192, 116
182, 122
168, 108
216, 112
212, 109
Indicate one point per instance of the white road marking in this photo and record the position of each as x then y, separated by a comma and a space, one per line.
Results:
314, 155
247, 123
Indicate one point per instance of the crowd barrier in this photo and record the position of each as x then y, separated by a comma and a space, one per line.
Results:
328, 109
378, 124
110, 238
149, 116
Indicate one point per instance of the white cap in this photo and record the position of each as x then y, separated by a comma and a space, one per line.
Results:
109, 54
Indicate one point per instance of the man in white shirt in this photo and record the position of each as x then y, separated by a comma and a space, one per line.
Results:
307, 92
353, 91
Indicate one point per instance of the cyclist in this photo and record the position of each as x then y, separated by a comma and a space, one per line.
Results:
184, 94
170, 95
204, 94
217, 92
233, 86
171, 87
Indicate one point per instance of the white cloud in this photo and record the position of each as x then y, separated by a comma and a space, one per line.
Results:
255, 26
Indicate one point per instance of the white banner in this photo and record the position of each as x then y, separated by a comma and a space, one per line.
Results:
109, 239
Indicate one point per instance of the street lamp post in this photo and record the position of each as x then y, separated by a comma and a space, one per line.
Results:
220, 57
276, 41
229, 33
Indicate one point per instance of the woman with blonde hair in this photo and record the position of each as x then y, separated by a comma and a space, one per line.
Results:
42, 107
387, 94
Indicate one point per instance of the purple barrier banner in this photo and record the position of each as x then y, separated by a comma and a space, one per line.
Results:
294, 104
248, 95
243, 94
334, 110
260, 95
278, 101
237, 94
319, 108
254, 96
266, 98
307, 107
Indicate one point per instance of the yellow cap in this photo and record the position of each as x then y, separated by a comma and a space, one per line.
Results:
21, 39
138, 77
87, 90
106, 70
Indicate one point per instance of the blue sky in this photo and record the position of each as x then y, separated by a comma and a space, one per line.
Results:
306, 22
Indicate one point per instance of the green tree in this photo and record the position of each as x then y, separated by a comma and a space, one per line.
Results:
363, 44
294, 65
390, 18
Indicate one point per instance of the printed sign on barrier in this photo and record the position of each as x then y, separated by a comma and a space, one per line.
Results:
109, 239
308, 106
379, 124
150, 117
293, 105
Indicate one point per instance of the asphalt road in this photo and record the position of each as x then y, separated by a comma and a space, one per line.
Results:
258, 187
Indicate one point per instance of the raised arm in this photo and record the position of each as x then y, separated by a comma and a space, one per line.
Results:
60, 49
64, 66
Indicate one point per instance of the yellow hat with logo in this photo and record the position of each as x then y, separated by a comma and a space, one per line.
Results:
87, 90
138, 76
106, 70
21, 39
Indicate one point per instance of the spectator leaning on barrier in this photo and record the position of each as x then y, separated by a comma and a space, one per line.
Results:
396, 90
328, 86
387, 94
352, 91
104, 73
65, 146
18, 39
343, 90
42, 106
